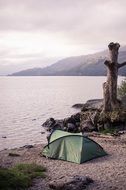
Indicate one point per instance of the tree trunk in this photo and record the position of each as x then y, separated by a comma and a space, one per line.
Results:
110, 86
106, 97
112, 77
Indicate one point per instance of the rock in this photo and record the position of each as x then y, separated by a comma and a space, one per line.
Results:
49, 122
77, 124
76, 117
4, 137
68, 124
71, 127
28, 146
100, 127
69, 120
33, 119
115, 134
52, 124
88, 121
107, 125
13, 154
95, 104
121, 132
42, 132
87, 126
74, 183
78, 106
59, 124
91, 118
72, 123
95, 117
116, 116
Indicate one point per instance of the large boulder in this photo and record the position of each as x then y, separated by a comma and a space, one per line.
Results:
95, 104
87, 126
76, 117
78, 106
88, 120
52, 124
71, 127
113, 120
70, 124
91, 118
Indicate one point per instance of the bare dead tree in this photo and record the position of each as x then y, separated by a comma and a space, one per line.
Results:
110, 86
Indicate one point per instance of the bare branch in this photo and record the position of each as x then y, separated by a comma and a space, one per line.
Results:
121, 64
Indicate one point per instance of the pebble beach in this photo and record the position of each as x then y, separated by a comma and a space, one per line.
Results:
108, 172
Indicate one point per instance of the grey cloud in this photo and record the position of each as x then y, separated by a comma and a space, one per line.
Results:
4, 52
83, 22
52, 14
78, 19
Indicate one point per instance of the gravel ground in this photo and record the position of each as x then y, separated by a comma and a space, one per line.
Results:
108, 172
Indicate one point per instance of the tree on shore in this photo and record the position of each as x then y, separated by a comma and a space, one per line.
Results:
111, 102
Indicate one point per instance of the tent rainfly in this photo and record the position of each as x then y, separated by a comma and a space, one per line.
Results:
72, 147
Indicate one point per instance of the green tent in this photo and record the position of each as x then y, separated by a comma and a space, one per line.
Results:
73, 147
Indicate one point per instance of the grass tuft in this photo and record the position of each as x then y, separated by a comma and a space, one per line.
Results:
109, 131
20, 176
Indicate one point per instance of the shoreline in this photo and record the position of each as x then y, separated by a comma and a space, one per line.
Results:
108, 172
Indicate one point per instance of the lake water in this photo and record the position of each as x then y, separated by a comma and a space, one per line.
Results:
26, 102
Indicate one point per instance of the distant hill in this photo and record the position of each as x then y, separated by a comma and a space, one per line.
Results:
85, 65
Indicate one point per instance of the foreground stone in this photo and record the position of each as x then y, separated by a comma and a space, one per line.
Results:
74, 183
28, 146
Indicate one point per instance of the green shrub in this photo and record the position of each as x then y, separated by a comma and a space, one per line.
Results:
20, 176
122, 89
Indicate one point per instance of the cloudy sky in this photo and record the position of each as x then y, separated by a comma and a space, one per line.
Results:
36, 33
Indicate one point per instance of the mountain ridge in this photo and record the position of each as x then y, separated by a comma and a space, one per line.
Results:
83, 65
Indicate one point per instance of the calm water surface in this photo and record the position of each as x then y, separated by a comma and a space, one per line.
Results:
26, 102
